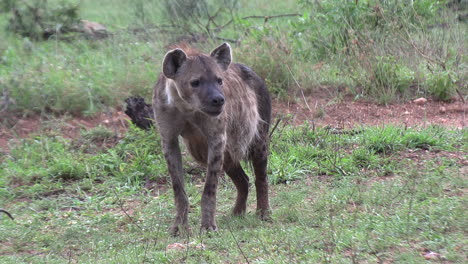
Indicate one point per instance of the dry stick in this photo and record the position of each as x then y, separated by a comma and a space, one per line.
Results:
436, 61
125, 211
298, 85
460, 95
274, 16
228, 40
155, 241
237, 243
7, 213
275, 126
187, 245
373, 252
266, 18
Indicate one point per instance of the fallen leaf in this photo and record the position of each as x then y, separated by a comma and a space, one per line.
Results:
429, 255
175, 246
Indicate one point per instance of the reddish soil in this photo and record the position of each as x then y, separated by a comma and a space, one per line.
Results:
13, 128
322, 111
347, 113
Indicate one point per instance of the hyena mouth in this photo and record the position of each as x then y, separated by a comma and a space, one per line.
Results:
213, 112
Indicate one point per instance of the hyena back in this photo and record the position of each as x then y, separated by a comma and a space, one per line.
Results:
222, 110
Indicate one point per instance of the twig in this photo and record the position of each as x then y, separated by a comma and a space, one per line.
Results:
424, 55
266, 18
228, 40
373, 252
125, 211
408, 40
237, 243
275, 126
7, 213
154, 243
460, 95
413, 178
305, 101
299, 86
187, 246
273, 16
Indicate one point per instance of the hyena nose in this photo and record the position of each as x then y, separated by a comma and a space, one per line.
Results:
217, 101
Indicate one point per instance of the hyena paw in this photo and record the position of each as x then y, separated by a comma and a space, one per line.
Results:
179, 229
239, 211
209, 227
264, 215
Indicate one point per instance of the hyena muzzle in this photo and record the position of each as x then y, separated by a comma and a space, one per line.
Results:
222, 110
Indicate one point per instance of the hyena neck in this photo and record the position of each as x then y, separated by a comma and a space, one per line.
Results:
173, 97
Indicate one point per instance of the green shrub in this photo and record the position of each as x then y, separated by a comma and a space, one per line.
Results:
383, 141
6, 5
269, 61
388, 79
364, 158
97, 134
441, 85
40, 19
199, 16
67, 168
135, 158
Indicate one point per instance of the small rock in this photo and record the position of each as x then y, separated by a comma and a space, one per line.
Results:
420, 101
442, 110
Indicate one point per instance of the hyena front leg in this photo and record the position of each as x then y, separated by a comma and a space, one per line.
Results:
216, 145
174, 165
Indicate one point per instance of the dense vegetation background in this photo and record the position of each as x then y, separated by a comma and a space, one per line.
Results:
384, 50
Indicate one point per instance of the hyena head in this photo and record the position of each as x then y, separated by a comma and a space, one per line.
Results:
195, 82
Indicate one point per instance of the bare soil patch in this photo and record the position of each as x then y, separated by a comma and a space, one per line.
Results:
14, 128
319, 109
346, 113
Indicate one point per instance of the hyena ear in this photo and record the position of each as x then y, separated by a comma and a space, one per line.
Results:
172, 62
222, 55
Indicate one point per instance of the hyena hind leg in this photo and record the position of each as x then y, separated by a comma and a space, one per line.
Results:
259, 157
241, 181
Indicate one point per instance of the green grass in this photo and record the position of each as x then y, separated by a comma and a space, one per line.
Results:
384, 53
377, 195
363, 198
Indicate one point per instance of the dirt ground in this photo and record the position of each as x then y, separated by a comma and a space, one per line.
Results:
321, 111
347, 113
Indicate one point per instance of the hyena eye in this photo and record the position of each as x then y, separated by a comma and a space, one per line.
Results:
220, 81
195, 83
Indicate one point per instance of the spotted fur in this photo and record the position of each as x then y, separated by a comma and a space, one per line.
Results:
222, 110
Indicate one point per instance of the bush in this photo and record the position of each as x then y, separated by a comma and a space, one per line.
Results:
375, 42
6, 5
199, 16
41, 19
270, 61
388, 79
441, 85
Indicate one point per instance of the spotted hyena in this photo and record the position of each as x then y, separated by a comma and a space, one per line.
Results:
222, 110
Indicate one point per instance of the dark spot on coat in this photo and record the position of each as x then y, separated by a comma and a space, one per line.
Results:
215, 160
